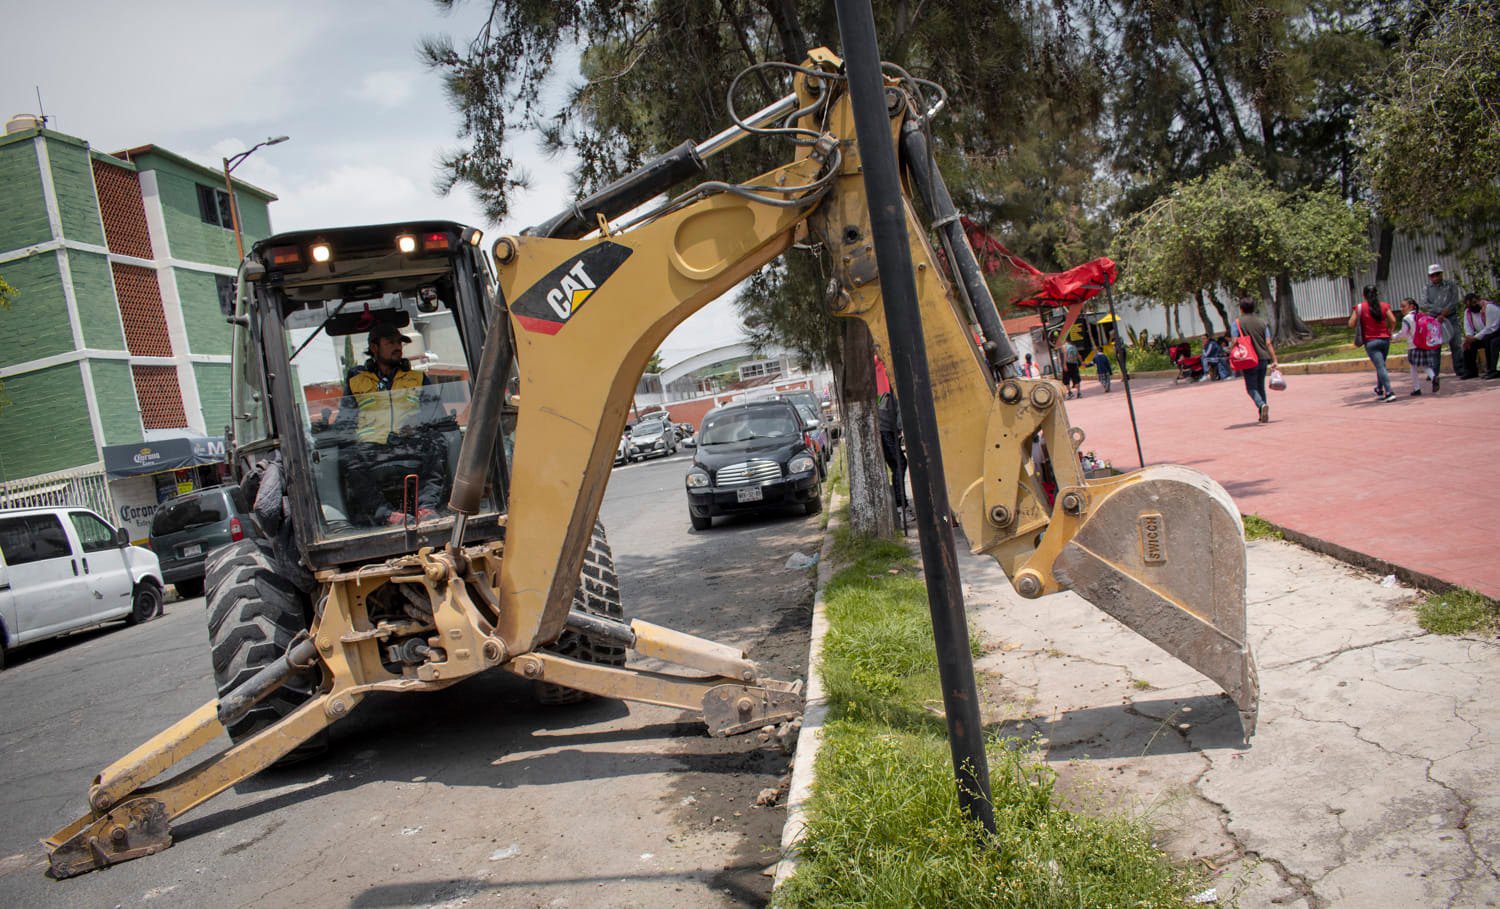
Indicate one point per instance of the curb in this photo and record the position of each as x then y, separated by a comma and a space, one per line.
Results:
815, 708
1319, 367
1408, 576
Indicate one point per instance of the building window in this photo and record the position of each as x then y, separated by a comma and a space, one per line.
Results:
225, 285
213, 206
760, 369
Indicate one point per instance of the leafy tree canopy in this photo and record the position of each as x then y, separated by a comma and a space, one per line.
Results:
1234, 229
1430, 141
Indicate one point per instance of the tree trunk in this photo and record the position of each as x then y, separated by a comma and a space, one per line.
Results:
871, 509
1289, 325
1223, 313
1208, 327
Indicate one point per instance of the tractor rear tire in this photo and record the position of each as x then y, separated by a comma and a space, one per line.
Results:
253, 616
598, 594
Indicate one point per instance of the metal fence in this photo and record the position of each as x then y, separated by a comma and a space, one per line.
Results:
86, 487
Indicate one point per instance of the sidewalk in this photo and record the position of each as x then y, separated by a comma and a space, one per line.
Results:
1411, 482
1369, 782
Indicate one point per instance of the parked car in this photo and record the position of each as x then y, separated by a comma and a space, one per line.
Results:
186, 529
649, 438
813, 426
65, 568
751, 457
815, 407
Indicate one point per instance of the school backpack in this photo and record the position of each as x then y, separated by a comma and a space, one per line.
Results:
1427, 332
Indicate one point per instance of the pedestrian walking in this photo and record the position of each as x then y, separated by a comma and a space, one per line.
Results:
1422, 360
1257, 336
1072, 363
1373, 322
1440, 298
1103, 369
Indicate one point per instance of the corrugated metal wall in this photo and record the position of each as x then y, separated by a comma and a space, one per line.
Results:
1320, 298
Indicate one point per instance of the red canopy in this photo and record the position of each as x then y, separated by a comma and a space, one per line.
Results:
1040, 288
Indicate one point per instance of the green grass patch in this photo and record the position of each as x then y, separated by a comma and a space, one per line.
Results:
885, 828
1257, 529
1458, 611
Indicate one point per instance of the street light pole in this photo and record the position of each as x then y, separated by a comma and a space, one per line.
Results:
234, 207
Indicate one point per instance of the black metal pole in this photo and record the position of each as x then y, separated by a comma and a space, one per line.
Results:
903, 321
1109, 294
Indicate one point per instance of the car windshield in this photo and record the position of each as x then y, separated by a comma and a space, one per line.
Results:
198, 511
643, 430
384, 436
743, 425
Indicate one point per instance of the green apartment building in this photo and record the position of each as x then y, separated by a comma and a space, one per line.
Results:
115, 336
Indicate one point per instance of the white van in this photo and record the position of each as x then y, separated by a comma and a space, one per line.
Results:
66, 568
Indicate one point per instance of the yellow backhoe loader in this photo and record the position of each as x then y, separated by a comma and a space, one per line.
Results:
505, 398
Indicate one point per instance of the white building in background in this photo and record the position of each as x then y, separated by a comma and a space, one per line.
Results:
1319, 298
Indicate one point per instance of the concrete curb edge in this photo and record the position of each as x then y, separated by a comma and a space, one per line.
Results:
1409, 576
815, 708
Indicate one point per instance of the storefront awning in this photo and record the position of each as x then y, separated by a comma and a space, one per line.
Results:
145, 458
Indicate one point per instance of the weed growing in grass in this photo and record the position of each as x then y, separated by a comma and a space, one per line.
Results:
1257, 529
1458, 611
885, 827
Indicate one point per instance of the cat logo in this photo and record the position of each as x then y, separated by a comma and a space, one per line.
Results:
548, 304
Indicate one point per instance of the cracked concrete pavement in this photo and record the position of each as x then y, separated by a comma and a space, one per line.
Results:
1366, 783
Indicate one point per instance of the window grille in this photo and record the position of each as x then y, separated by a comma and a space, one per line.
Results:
160, 397
145, 323
123, 212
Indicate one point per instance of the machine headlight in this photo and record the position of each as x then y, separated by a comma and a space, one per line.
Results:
801, 464
697, 478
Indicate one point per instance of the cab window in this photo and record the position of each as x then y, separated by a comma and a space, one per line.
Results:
93, 534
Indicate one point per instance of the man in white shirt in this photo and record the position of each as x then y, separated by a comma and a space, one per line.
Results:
1481, 332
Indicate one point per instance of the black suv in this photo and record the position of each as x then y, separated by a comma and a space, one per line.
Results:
752, 457
186, 529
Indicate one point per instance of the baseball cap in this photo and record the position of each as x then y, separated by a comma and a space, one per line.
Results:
387, 330
1434, 269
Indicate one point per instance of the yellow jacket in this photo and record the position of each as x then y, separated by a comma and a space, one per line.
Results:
381, 412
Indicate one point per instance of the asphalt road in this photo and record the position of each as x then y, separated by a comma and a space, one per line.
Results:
472, 796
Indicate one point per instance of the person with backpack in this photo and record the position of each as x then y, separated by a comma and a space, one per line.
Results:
1252, 354
1422, 360
1373, 322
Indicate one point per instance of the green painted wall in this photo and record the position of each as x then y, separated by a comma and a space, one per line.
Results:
213, 392
207, 331
119, 414
77, 202
188, 235
35, 325
44, 425
25, 220
98, 312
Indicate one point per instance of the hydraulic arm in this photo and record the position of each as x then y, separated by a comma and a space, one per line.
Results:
584, 303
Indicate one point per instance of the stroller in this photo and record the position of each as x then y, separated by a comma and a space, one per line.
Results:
1188, 366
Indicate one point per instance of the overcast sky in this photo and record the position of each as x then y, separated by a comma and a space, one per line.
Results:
209, 79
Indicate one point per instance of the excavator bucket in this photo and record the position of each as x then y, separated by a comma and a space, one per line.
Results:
1164, 553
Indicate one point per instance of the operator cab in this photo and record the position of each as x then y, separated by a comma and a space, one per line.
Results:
376, 329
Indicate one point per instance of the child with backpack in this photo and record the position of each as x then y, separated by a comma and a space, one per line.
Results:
1424, 334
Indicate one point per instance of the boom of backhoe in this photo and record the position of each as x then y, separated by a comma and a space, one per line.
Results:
583, 308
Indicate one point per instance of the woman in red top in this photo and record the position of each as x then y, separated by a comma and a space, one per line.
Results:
1376, 322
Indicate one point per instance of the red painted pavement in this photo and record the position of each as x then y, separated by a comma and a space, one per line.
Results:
1415, 482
